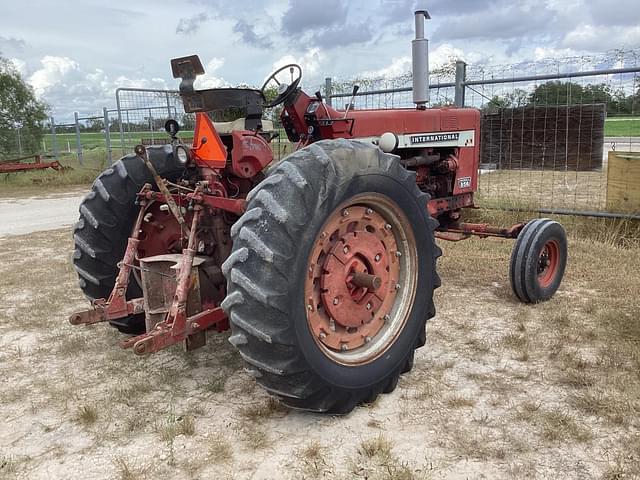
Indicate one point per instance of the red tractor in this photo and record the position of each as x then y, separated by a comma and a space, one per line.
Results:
323, 264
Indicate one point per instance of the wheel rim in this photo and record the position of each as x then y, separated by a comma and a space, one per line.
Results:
361, 279
548, 262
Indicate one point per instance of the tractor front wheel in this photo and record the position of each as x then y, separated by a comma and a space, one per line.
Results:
538, 260
331, 277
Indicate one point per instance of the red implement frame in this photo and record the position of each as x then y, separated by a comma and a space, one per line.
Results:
15, 165
177, 326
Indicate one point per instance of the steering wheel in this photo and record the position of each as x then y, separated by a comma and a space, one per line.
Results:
285, 90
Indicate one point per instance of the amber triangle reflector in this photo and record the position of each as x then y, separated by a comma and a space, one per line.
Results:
207, 144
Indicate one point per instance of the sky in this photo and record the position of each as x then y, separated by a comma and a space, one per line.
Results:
76, 53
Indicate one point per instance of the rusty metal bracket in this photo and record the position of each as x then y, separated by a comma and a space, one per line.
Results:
236, 206
141, 152
177, 326
163, 335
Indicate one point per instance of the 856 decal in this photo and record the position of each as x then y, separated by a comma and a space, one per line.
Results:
464, 182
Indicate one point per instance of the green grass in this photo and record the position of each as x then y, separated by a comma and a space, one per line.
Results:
91, 140
622, 127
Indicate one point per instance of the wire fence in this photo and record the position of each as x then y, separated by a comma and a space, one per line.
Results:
547, 127
142, 114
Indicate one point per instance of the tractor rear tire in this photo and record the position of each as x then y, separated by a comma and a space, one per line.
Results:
538, 260
273, 296
107, 215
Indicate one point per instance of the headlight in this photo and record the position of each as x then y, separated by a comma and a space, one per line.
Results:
182, 155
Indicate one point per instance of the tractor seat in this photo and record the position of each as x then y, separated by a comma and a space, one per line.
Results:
225, 128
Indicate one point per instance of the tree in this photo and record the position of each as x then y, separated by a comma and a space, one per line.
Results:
517, 98
571, 93
95, 125
21, 114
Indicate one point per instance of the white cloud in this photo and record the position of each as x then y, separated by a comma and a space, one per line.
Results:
590, 37
446, 54
442, 55
214, 64
54, 71
67, 86
544, 53
310, 62
398, 66
208, 80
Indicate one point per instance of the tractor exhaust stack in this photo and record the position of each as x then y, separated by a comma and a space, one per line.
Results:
420, 60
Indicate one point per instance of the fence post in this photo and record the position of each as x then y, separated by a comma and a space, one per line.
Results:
328, 89
78, 141
151, 126
120, 122
168, 106
54, 140
107, 134
461, 76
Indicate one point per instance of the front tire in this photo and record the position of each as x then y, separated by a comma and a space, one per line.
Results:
309, 333
538, 260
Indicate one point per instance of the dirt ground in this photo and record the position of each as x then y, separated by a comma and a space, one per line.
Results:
501, 390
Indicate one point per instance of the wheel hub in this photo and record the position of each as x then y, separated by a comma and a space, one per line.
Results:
347, 303
548, 262
352, 283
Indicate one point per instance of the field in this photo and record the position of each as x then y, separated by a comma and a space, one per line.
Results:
622, 127
93, 140
95, 161
502, 390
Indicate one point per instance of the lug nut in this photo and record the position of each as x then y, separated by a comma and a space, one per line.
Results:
345, 212
345, 249
398, 254
343, 347
387, 226
335, 301
367, 339
377, 258
386, 318
397, 286
310, 308
323, 335
332, 325
368, 306
369, 211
